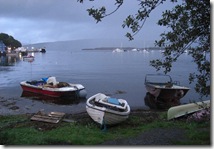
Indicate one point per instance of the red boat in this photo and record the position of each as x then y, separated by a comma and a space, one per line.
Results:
50, 87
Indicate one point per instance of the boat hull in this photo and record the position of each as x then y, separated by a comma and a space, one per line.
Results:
47, 92
181, 110
112, 118
28, 58
104, 115
52, 92
67, 100
164, 98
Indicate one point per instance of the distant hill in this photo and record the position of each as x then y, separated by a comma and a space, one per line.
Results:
91, 44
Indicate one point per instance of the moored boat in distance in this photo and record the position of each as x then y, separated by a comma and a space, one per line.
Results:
135, 50
28, 58
106, 110
50, 87
42, 50
118, 50
162, 91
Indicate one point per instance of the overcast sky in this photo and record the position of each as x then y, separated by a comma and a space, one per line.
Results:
36, 21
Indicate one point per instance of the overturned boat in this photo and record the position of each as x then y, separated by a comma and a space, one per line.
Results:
162, 92
106, 110
181, 110
50, 87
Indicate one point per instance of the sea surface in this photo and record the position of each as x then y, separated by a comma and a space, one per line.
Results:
120, 75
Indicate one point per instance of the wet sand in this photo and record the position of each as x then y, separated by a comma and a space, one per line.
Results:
14, 106
25, 105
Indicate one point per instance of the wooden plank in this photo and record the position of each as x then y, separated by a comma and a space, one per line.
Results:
57, 114
46, 117
52, 117
45, 120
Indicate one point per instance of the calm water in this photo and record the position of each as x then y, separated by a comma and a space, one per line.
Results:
117, 74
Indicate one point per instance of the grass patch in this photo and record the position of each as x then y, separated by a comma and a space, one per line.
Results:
20, 130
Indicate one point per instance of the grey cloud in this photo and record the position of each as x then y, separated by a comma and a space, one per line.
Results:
62, 10
52, 20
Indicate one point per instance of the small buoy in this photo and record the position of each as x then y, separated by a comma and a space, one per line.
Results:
82, 93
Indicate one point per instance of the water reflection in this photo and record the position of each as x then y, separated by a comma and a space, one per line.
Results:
155, 103
28, 59
159, 103
13, 59
9, 60
47, 99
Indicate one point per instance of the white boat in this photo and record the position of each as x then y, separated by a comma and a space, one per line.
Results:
118, 50
162, 91
145, 51
106, 110
177, 111
135, 50
28, 58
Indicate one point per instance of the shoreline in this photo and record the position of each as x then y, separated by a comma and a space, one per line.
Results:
144, 127
18, 106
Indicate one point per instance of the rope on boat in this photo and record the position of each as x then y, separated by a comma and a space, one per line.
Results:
103, 126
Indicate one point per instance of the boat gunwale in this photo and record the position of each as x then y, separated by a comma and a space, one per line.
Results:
164, 86
56, 89
123, 114
157, 75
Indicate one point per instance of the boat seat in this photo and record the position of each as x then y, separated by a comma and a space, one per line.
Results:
113, 101
108, 101
114, 104
35, 82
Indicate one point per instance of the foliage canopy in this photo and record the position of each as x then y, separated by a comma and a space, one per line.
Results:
9, 41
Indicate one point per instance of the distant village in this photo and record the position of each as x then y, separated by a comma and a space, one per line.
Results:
8, 50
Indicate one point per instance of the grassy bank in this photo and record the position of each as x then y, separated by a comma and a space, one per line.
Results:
20, 130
